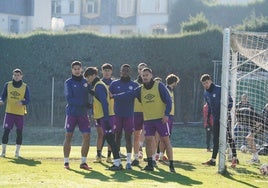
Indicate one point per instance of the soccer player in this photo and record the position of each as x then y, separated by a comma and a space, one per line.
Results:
154, 95
102, 112
255, 122
138, 122
171, 83
208, 125
16, 95
212, 96
76, 94
107, 70
241, 128
124, 110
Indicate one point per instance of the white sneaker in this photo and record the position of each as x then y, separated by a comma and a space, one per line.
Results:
256, 161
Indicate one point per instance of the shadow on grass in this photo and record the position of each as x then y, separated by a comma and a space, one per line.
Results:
24, 161
228, 175
159, 175
180, 164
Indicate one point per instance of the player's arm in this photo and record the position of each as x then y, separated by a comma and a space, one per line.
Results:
26, 99
165, 97
101, 95
3, 95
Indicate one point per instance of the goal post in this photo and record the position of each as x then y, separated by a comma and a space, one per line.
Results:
244, 73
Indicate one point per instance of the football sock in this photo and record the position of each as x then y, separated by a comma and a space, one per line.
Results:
66, 159
83, 160
4, 146
128, 157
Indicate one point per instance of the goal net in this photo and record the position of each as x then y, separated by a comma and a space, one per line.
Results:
245, 79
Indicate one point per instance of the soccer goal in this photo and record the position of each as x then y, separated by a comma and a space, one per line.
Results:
245, 78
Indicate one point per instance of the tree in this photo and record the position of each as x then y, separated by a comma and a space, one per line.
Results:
195, 24
254, 23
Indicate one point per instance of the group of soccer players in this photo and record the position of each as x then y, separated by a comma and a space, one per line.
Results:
121, 105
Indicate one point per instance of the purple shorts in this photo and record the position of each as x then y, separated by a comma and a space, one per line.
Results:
82, 122
98, 123
126, 123
170, 123
151, 127
138, 121
12, 119
102, 124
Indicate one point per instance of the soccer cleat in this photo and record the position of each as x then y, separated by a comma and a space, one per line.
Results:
256, 161
109, 160
154, 163
140, 155
97, 160
128, 166
209, 150
157, 157
122, 156
18, 156
116, 168
102, 156
3, 155
85, 166
66, 166
172, 169
163, 159
234, 162
148, 168
135, 162
209, 163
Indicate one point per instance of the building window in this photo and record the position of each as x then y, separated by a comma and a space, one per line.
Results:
159, 30
14, 26
91, 8
126, 32
125, 8
153, 6
56, 7
71, 6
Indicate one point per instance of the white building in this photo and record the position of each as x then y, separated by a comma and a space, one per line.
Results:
104, 16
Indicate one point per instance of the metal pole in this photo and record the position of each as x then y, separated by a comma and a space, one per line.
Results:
52, 103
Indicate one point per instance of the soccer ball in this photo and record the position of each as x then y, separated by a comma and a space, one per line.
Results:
243, 149
264, 169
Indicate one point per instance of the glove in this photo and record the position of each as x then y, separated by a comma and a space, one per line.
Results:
107, 126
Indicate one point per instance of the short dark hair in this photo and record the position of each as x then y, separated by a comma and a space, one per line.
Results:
76, 63
142, 65
125, 66
107, 66
147, 69
205, 77
90, 71
17, 71
172, 78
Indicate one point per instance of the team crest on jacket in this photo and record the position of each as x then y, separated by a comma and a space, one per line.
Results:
149, 97
14, 93
130, 87
214, 95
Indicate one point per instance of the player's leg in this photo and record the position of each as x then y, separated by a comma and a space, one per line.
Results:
150, 146
138, 125
19, 122
128, 126
164, 133
70, 123
7, 125
84, 127
118, 133
99, 142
